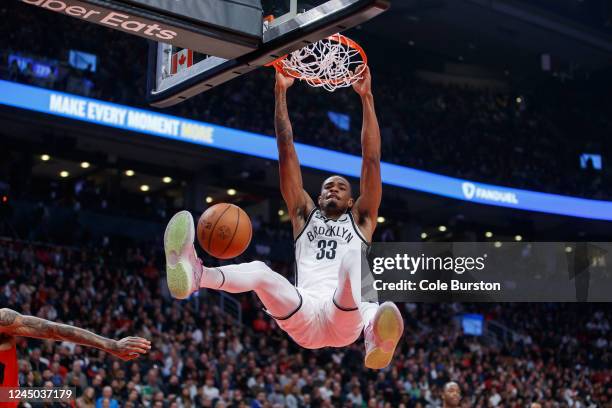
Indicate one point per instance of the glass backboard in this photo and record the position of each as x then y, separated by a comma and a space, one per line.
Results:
176, 74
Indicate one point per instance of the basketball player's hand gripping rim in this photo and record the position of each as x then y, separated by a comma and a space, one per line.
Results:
283, 82
364, 86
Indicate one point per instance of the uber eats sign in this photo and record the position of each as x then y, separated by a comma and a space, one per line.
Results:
224, 28
112, 19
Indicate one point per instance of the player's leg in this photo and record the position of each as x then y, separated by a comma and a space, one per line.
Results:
341, 313
382, 325
280, 298
186, 274
348, 293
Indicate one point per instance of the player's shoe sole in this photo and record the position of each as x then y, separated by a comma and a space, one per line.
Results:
387, 330
178, 242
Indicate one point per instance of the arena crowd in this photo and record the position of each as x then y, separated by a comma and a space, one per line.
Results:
558, 354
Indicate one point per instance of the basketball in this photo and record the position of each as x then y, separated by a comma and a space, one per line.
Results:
224, 231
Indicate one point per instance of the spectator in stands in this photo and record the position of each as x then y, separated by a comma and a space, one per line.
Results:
87, 399
107, 400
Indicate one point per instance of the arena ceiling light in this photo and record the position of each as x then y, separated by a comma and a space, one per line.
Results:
424, 235
380, 220
231, 192
281, 212
488, 234
442, 228
144, 188
497, 244
518, 238
209, 199
45, 157
167, 180
85, 165
64, 174
129, 173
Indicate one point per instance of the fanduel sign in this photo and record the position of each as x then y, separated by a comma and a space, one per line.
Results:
471, 191
208, 29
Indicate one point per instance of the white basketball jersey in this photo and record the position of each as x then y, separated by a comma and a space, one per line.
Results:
320, 247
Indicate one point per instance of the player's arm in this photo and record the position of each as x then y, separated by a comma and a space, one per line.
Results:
370, 184
298, 201
15, 324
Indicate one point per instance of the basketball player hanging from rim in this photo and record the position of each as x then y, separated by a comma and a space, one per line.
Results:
324, 309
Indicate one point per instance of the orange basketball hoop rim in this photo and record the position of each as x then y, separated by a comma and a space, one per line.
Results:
335, 61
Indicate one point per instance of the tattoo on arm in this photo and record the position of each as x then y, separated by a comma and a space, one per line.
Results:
292, 190
7, 317
30, 326
284, 132
57, 331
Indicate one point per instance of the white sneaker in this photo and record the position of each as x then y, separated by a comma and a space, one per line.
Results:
382, 335
183, 268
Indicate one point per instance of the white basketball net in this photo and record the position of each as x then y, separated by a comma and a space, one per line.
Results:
329, 63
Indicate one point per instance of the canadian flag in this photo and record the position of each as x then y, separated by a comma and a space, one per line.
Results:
181, 60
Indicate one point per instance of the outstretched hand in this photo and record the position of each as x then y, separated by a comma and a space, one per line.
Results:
283, 82
130, 348
364, 85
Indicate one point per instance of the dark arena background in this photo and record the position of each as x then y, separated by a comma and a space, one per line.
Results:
481, 103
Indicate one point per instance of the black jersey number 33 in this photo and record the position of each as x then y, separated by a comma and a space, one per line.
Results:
327, 249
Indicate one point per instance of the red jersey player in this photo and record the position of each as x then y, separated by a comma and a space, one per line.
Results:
13, 324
